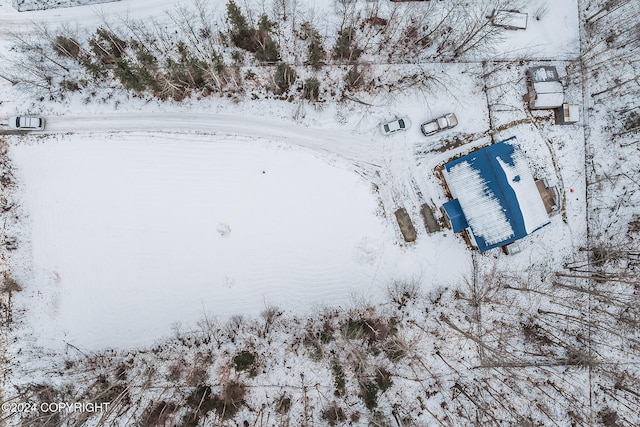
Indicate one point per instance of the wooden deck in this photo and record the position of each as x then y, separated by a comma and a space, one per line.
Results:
548, 196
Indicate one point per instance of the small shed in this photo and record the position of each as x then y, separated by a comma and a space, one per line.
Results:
513, 248
544, 89
510, 19
568, 114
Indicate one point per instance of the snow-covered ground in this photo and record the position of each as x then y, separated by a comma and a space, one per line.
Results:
157, 205
188, 225
25, 5
130, 235
551, 34
90, 14
185, 179
141, 218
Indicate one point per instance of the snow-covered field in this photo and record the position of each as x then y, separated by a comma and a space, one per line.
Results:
130, 235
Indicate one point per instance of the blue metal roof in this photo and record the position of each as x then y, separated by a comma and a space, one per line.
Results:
485, 171
456, 216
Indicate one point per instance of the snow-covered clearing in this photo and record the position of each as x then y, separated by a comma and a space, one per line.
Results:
551, 34
130, 235
90, 14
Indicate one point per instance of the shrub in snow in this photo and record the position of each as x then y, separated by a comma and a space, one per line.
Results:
197, 375
369, 394
231, 399
353, 79
283, 78
282, 404
314, 341
107, 45
245, 361
269, 315
174, 371
383, 378
403, 294
372, 329
130, 80
202, 401
159, 414
333, 414
241, 33
609, 418
255, 40
9, 284
311, 89
67, 46
346, 46
632, 121
316, 51
266, 47
339, 379
395, 349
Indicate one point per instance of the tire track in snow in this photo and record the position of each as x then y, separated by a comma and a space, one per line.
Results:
365, 154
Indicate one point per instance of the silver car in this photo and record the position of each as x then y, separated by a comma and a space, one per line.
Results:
26, 123
441, 123
395, 126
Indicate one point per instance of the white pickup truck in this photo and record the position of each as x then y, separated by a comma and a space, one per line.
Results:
441, 123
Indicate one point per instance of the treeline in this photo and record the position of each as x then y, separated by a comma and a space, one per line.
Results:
200, 53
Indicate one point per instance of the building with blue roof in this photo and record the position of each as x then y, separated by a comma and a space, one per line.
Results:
495, 197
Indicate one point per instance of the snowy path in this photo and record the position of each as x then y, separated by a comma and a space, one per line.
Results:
363, 152
11, 20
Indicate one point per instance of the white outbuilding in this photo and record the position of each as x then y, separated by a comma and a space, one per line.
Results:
544, 89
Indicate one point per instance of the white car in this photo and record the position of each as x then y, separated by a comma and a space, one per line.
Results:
26, 123
395, 126
441, 123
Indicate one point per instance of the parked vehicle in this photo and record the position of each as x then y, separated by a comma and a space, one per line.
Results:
26, 123
441, 123
395, 126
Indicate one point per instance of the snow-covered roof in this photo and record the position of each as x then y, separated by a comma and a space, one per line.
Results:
497, 194
570, 113
548, 100
480, 205
548, 87
548, 94
544, 73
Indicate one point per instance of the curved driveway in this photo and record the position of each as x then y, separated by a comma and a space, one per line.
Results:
365, 153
